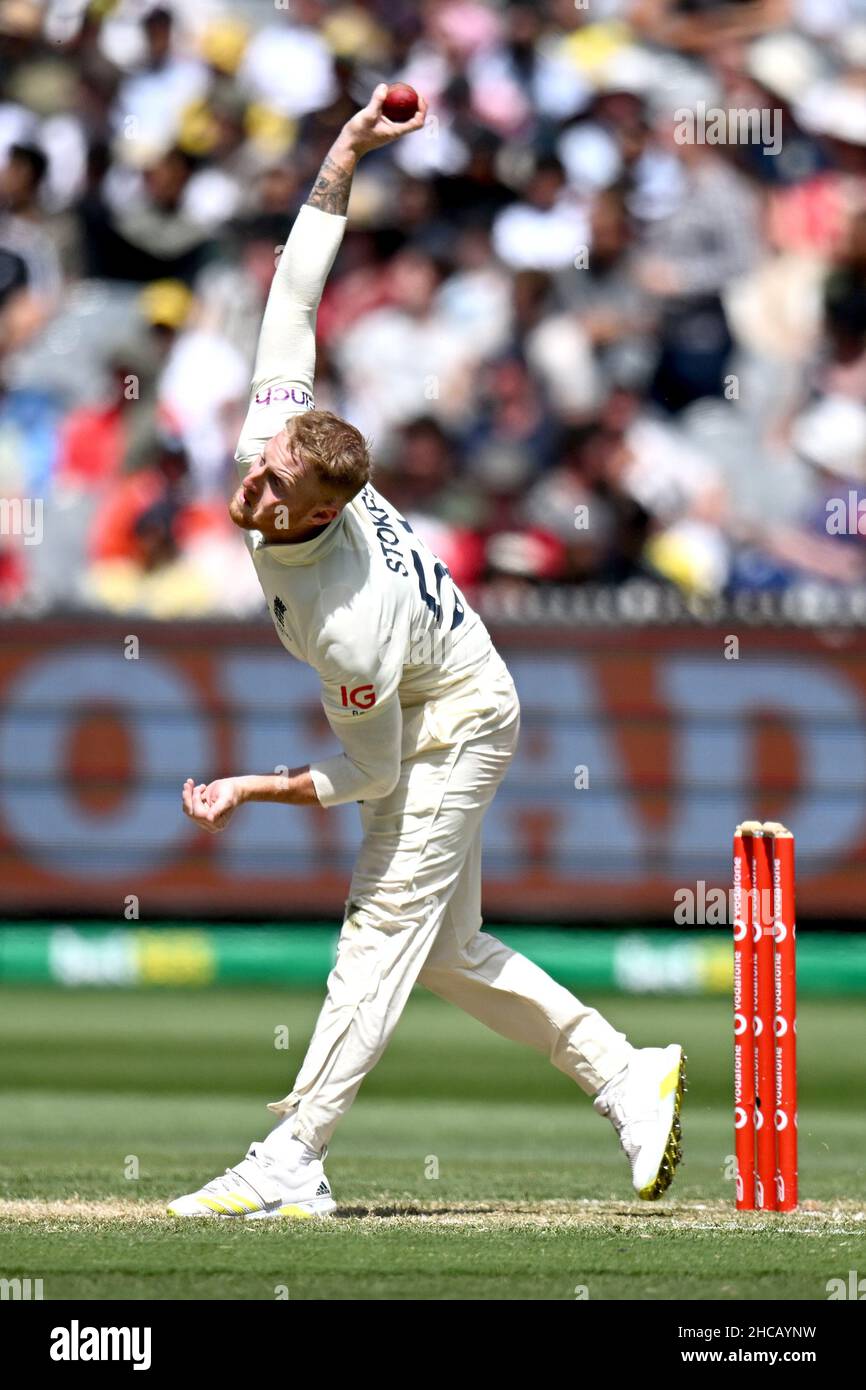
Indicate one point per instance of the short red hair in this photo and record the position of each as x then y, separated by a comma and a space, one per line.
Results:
337, 451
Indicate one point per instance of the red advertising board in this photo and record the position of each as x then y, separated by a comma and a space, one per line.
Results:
640, 751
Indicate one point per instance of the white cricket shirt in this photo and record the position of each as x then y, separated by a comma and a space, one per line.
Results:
404, 661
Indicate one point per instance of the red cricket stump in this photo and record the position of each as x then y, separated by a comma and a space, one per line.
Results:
785, 1018
765, 1026
762, 934
744, 1069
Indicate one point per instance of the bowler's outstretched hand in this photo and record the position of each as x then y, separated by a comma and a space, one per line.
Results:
211, 805
369, 129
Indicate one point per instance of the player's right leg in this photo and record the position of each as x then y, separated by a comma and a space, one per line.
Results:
639, 1089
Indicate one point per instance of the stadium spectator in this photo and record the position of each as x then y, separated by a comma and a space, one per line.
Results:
23, 228
548, 229
550, 261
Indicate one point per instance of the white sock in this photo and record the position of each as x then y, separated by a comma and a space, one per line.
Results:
284, 1146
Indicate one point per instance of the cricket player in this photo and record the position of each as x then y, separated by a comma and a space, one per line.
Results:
426, 716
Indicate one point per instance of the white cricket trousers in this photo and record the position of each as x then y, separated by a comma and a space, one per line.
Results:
414, 917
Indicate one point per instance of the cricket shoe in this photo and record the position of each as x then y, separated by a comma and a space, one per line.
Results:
643, 1104
260, 1186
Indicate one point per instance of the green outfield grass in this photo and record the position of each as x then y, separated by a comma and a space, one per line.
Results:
532, 1198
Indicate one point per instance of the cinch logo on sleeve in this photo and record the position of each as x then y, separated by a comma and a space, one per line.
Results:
282, 393
76, 1343
362, 697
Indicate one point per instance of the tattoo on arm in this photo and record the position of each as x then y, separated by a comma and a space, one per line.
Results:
331, 190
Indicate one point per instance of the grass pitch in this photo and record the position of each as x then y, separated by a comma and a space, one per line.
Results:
467, 1169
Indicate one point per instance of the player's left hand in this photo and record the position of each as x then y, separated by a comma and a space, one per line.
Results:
369, 129
211, 805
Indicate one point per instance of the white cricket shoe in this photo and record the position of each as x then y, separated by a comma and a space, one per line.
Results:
643, 1104
260, 1186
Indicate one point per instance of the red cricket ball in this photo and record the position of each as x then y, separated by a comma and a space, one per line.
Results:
401, 103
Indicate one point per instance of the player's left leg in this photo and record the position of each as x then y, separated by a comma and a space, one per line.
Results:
515, 997
640, 1090
262, 1186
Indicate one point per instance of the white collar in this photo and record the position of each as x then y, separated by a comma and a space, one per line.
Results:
301, 552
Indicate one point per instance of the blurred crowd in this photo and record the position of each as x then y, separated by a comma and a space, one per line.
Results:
590, 337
